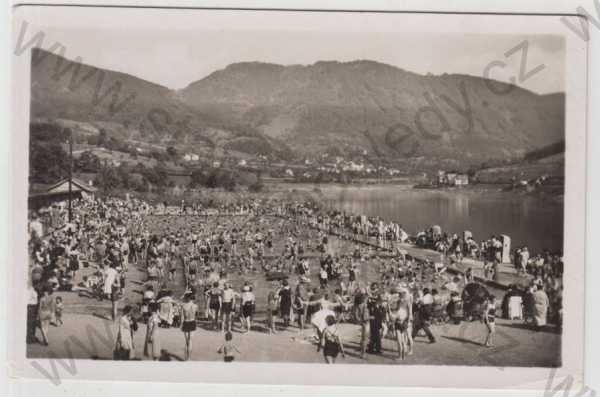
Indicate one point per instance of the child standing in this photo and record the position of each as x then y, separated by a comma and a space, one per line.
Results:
152, 333
331, 342
489, 319
58, 311
228, 348
273, 302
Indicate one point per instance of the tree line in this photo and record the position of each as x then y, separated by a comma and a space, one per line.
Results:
49, 162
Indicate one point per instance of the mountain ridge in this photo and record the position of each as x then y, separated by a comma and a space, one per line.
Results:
353, 106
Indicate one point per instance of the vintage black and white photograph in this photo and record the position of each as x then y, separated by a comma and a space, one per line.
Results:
215, 188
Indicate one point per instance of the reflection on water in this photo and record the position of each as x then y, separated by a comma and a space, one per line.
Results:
527, 220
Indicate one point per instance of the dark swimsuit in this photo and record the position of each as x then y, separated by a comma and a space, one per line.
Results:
247, 309
214, 300
188, 326
331, 348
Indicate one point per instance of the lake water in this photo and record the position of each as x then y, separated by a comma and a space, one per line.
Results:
528, 220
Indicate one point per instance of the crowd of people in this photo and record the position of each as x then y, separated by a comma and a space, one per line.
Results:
295, 265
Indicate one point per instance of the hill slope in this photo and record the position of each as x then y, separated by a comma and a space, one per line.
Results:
137, 109
357, 104
296, 111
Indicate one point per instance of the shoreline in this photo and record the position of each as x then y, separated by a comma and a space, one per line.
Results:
472, 190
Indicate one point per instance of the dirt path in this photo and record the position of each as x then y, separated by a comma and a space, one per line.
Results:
92, 337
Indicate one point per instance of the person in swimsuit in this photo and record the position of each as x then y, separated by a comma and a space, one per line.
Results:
285, 303
46, 310
401, 316
352, 277
188, 323
228, 299
489, 319
172, 261
233, 243
273, 303
361, 315
331, 342
228, 348
213, 296
247, 303
469, 276
192, 270
152, 333
378, 314
300, 305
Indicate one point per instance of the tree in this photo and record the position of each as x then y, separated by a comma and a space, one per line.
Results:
320, 178
93, 140
48, 132
142, 186
257, 186
124, 175
88, 162
197, 178
108, 178
213, 180
156, 175
171, 151
343, 178
102, 137
217, 178
48, 162
139, 168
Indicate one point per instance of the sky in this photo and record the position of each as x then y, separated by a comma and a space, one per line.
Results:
176, 50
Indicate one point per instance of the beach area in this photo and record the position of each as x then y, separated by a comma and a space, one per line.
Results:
88, 330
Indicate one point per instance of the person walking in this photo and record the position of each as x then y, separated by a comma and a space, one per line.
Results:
111, 287
188, 321
124, 347
422, 320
